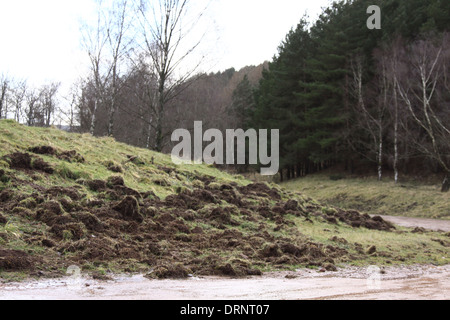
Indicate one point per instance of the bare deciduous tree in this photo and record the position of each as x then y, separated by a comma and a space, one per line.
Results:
118, 46
31, 112
48, 101
164, 36
372, 118
107, 44
69, 114
94, 41
4, 88
420, 89
18, 94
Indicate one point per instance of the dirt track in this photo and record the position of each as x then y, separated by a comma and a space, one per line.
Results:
412, 283
429, 224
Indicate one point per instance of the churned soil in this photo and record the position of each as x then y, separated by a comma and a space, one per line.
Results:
218, 229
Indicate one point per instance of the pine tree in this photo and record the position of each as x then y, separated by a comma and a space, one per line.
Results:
243, 102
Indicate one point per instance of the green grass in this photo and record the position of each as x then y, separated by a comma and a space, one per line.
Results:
368, 195
398, 247
98, 153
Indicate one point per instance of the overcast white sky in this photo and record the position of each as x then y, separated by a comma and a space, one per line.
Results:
40, 39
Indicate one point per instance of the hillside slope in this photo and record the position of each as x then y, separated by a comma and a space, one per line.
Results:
410, 198
70, 199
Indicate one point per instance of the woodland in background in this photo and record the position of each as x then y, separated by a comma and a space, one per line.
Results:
341, 94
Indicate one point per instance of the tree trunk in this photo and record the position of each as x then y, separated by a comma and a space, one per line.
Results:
380, 161
112, 111
2, 100
395, 134
92, 129
112, 114
159, 134
160, 115
149, 133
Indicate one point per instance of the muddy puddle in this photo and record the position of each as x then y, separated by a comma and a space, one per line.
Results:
393, 283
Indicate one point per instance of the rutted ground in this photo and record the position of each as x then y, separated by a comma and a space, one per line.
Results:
107, 208
220, 229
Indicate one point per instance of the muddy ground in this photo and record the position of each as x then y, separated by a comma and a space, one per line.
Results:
393, 283
217, 229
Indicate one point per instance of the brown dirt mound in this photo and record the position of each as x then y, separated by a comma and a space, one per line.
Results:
68, 231
237, 269
44, 150
24, 161
291, 205
6, 195
260, 189
224, 230
116, 181
129, 209
91, 222
222, 216
96, 185
167, 271
4, 177
71, 192
48, 212
69, 156
41, 165
115, 168
357, 220
15, 260
19, 160
271, 250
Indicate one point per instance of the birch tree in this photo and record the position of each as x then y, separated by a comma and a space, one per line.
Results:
118, 44
372, 118
419, 90
392, 55
107, 42
94, 42
165, 30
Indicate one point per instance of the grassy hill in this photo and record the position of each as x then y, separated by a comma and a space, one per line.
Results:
70, 199
410, 198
